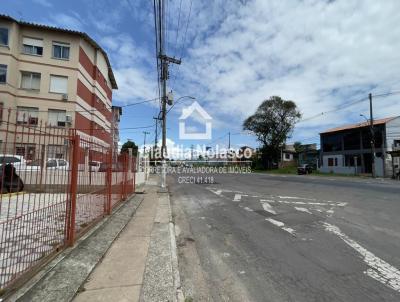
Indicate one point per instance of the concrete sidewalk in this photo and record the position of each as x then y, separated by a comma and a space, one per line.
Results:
141, 264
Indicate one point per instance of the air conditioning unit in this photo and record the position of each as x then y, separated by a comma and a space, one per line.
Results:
65, 97
68, 119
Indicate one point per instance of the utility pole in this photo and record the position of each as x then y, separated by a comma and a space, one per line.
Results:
164, 62
144, 142
229, 140
156, 132
372, 136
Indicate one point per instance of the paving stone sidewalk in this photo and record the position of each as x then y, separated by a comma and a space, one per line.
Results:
141, 264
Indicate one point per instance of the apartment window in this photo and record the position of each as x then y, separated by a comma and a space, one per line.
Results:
4, 36
27, 116
3, 73
30, 80
57, 118
32, 46
58, 84
60, 51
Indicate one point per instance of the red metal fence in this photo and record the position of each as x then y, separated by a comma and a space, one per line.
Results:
58, 185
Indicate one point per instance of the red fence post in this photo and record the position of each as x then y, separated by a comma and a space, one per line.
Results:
73, 190
109, 183
134, 173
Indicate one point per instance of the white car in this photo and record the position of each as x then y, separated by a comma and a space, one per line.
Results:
94, 165
17, 161
51, 164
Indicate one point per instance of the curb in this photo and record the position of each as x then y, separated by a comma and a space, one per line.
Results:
174, 257
161, 279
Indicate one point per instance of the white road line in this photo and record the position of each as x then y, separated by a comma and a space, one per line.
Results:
237, 197
248, 209
378, 268
296, 197
303, 210
218, 192
267, 200
281, 225
268, 208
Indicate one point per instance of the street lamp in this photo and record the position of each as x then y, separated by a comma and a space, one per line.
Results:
182, 97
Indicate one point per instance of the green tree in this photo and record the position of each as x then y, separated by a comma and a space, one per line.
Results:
127, 145
298, 147
272, 123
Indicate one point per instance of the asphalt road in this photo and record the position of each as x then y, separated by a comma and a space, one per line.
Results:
259, 237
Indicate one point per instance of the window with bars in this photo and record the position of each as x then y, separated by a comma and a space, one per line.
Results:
27, 116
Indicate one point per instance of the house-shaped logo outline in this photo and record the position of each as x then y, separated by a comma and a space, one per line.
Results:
187, 112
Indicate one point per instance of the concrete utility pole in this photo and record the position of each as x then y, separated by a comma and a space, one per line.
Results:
144, 142
160, 25
372, 136
156, 132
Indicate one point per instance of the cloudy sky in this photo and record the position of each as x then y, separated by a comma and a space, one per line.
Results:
324, 55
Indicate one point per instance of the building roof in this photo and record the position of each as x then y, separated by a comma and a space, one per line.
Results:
85, 36
359, 125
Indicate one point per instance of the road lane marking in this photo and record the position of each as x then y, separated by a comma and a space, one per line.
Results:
281, 225
267, 200
237, 197
268, 208
296, 197
303, 210
378, 268
248, 209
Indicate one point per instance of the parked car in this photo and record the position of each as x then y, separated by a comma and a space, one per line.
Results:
18, 161
51, 164
94, 165
10, 181
304, 169
115, 167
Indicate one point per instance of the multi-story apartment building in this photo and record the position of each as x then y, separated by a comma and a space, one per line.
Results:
58, 76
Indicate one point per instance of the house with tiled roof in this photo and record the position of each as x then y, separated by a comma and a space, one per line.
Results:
347, 149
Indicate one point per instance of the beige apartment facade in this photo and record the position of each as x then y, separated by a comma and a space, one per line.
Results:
54, 77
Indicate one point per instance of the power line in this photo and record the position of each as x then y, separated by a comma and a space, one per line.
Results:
178, 26
183, 43
344, 106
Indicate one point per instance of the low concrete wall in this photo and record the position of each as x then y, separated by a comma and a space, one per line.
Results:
339, 170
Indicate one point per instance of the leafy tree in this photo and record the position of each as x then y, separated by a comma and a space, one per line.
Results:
127, 145
272, 123
298, 147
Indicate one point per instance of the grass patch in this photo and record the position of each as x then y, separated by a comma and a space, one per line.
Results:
285, 170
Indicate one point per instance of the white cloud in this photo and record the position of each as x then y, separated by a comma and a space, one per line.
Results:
318, 53
71, 20
45, 3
